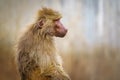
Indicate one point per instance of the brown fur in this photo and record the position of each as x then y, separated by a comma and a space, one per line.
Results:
37, 57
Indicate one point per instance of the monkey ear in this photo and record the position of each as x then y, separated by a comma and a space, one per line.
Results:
39, 24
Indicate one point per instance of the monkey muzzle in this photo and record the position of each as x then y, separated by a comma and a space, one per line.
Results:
61, 32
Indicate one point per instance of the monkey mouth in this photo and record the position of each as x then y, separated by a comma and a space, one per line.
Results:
60, 35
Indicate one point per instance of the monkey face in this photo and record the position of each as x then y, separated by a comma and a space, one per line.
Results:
52, 28
56, 28
60, 30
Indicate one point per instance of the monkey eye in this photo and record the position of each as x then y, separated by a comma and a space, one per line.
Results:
56, 20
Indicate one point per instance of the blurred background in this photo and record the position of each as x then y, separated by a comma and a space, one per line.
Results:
90, 50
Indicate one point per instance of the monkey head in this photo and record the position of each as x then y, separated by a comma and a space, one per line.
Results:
49, 23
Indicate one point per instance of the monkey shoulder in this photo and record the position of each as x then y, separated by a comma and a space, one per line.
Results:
26, 62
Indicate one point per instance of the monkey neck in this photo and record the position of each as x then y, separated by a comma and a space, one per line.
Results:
44, 44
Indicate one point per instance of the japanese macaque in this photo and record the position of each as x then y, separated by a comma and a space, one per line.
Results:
37, 58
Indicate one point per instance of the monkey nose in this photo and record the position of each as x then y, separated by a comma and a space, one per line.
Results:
65, 30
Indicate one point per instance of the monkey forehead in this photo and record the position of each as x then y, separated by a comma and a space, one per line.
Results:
55, 17
49, 13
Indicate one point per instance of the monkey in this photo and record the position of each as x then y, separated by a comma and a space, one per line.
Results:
37, 57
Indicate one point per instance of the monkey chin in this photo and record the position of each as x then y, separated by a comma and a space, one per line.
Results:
60, 35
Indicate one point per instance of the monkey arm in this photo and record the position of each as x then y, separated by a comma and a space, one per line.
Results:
62, 74
56, 72
26, 65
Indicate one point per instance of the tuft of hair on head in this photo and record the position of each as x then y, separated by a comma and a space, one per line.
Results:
48, 13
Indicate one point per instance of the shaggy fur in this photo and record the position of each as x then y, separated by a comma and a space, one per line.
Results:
37, 58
